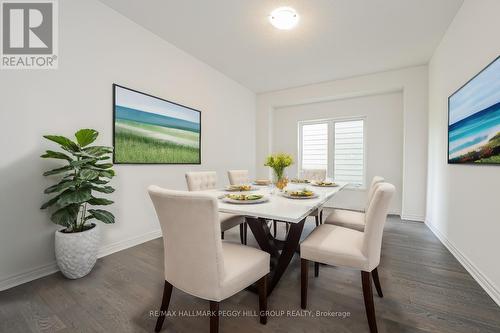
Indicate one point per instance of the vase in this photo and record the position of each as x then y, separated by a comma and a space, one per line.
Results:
76, 253
280, 180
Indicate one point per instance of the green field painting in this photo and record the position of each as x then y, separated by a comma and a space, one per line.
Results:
150, 130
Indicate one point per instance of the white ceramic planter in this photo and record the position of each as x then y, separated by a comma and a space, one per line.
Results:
76, 253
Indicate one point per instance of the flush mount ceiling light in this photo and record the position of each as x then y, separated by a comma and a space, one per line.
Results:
284, 18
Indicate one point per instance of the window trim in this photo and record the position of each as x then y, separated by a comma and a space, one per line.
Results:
331, 145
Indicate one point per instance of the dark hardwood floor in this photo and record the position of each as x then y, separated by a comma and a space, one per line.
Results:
425, 290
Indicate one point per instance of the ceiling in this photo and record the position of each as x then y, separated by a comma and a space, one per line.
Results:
334, 38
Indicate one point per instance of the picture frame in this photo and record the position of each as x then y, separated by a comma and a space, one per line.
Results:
474, 136
151, 130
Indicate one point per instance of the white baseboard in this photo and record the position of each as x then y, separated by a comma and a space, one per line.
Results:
410, 217
127, 243
480, 278
27, 276
50, 268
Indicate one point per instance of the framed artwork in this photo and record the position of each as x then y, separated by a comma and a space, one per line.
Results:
474, 119
152, 130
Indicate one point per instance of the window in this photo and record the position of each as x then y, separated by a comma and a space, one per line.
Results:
336, 146
314, 146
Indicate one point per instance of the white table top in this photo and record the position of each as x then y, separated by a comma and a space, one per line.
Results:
279, 207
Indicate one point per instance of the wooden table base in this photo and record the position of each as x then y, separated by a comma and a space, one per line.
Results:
281, 251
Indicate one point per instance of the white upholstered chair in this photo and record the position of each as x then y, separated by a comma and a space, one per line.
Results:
344, 247
238, 177
353, 219
197, 261
313, 174
207, 180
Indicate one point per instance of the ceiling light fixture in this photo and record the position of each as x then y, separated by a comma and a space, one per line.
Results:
284, 18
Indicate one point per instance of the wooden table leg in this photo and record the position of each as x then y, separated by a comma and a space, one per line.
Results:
267, 243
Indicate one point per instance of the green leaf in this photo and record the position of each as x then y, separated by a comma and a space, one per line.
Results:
58, 170
104, 165
83, 161
102, 215
100, 202
50, 202
99, 181
104, 189
66, 216
88, 174
107, 173
63, 141
98, 150
86, 136
59, 187
77, 196
56, 154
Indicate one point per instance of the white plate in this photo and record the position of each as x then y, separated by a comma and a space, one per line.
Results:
303, 182
229, 189
286, 195
245, 202
331, 185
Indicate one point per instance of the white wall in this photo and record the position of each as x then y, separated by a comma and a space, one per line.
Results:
412, 81
97, 48
462, 199
383, 116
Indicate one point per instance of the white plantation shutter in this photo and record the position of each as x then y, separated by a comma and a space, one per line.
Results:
336, 146
314, 143
349, 152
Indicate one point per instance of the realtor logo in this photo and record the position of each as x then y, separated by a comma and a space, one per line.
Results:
29, 34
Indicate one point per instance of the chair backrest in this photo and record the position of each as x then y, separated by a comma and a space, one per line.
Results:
201, 180
313, 174
375, 218
238, 177
371, 190
191, 239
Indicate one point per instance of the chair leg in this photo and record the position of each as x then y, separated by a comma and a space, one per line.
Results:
275, 225
317, 220
222, 235
316, 269
167, 293
376, 281
214, 317
242, 233
304, 271
287, 227
368, 296
262, 285
321, 217
245, 231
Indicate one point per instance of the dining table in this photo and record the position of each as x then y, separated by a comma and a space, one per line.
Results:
278, 207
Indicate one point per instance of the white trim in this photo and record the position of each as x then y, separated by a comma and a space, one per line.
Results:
410, 217
480, 278
50, 268
127, 243
27, 276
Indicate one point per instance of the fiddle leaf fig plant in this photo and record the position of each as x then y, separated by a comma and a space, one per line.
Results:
86, 170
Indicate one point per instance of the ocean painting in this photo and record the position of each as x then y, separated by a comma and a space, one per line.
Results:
474, 119
149, 130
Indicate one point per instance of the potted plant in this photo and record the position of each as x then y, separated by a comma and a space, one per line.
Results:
85, 172
278, 162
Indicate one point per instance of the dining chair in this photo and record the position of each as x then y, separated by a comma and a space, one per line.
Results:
207, 180
197, 261
353, 219
314, 175
238, 177
343, 247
